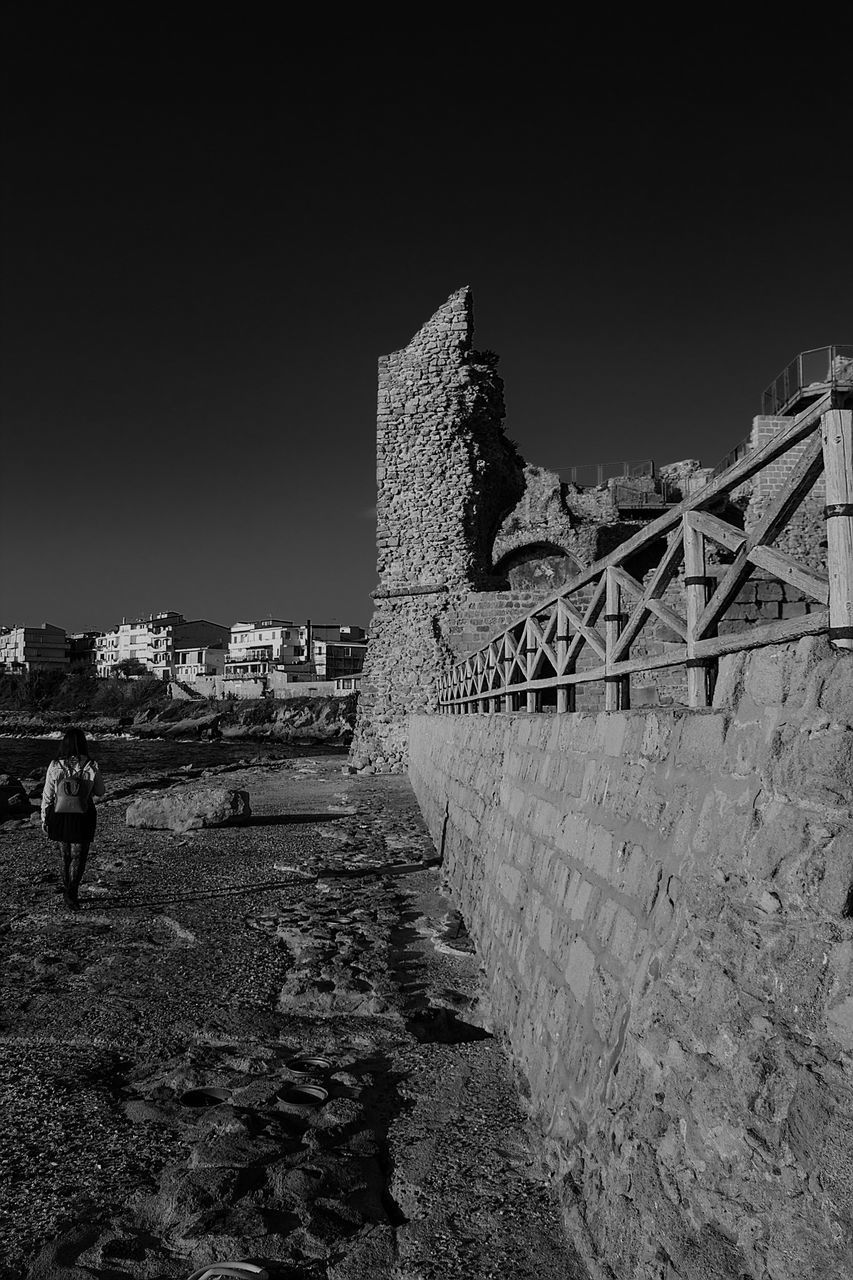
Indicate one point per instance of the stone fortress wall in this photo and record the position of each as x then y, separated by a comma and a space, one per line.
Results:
470, 537
662, 902
662, 898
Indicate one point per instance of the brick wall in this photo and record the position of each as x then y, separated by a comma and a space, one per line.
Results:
659, 903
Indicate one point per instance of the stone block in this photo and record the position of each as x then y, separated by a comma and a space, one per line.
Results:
509, 885
544, 924
572, 835
629, 868
836, 695
819, 763
578, 897
190, 808
766, 675
606, 1004
621, 944
579, 969
599, 854
604, 919
612, 728
557, 881
650, 801
700, 742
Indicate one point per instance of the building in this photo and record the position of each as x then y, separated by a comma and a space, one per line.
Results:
345, 685
296, 648
153, 642
205, 660
82, 653
24, 649
333, 658
257, 648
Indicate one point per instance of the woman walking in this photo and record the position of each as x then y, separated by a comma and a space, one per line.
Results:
67, 810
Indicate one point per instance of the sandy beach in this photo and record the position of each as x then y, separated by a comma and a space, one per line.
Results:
220, 960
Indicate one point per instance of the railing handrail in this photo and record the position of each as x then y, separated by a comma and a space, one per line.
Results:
606, 471
800, 427
778, 401
740, 450
689, 524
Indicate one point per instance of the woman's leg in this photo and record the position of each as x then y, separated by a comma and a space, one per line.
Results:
67, 874
79, 853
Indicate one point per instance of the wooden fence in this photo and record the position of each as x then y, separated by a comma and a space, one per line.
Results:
603, 611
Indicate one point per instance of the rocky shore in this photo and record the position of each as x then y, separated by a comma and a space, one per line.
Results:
304, 721
263, 1042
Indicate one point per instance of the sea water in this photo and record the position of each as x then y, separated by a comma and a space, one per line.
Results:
118, 755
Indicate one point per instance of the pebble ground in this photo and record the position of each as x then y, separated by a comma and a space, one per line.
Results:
220, 960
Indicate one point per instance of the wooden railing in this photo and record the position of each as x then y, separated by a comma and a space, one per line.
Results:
586, 632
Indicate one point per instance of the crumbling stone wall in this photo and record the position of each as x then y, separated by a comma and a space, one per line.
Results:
445, 474
444, 467
468, 537
662, 901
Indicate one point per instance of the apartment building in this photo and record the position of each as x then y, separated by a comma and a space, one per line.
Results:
333, 658
257, 648
205, 660
24, 649
153, 642
82, 651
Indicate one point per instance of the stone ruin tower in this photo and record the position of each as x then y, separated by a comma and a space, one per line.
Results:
469, 537
446, 475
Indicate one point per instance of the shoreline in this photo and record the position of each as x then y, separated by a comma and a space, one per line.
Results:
307, 722
212, 960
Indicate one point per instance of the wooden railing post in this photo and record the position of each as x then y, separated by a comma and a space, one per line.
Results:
565, 692
617, 695
508, 702
531, 650
837, 432
696, 597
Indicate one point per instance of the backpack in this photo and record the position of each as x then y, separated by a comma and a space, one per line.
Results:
72, 791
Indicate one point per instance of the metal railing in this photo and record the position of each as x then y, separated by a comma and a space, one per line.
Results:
809, 373
591, 474
734, 455
587, 631
627, 496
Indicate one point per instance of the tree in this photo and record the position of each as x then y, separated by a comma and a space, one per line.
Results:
129, 669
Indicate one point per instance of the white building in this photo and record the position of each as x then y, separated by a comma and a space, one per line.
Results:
24, 649
154, 641
304, 651
256, 648
206, 660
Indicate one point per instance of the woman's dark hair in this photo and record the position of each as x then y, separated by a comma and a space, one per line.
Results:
73, 744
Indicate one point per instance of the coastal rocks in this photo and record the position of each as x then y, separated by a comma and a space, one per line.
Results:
14, 802
190, 808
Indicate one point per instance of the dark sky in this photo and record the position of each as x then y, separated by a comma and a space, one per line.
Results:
210, 233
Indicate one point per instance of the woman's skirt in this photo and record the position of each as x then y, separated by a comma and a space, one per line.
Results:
72, 828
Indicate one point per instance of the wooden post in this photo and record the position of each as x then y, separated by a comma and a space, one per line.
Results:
530, 652
508, 702
837, 432
561, 647
617, 695
696, 597
488, 667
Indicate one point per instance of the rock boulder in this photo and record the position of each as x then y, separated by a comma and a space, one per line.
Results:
188, 808
14, 802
